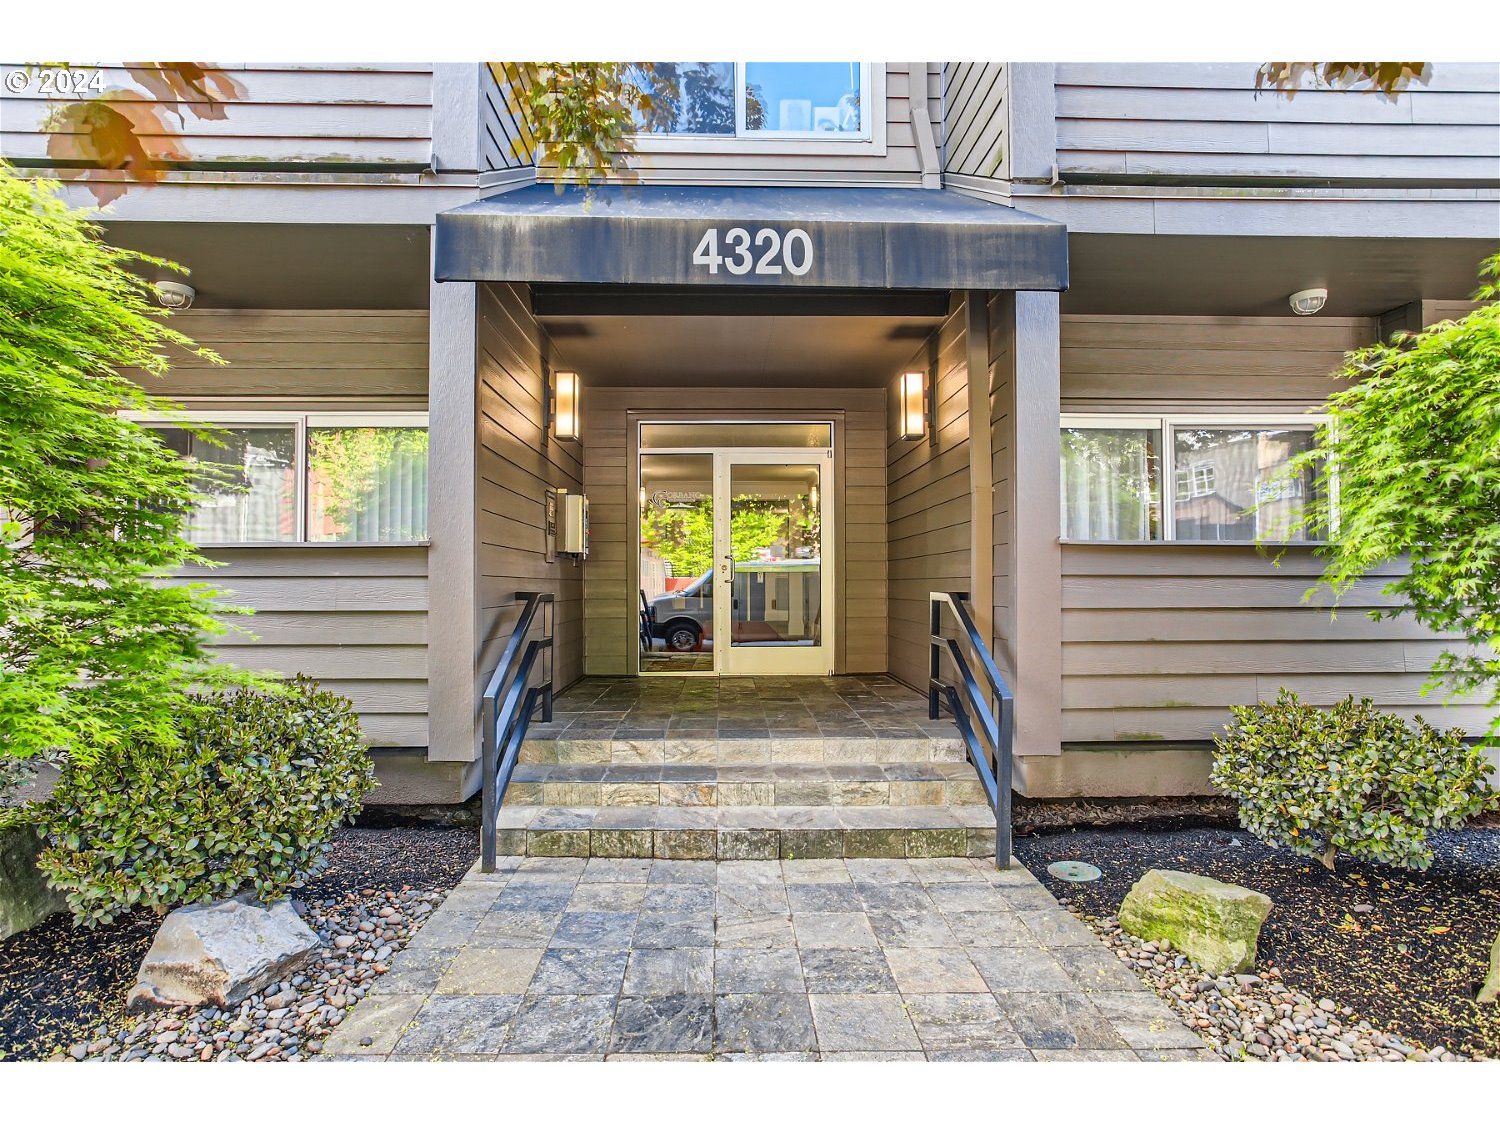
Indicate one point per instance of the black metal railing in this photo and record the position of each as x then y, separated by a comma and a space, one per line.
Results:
973, 713
507, 707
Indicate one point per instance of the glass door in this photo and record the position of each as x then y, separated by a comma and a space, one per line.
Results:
772, 565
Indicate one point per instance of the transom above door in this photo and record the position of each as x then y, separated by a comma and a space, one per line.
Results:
736, 577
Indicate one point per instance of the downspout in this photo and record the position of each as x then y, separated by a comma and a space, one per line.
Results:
921, 126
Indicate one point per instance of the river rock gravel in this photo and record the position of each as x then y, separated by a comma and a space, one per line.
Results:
1255, 1017
289, 1020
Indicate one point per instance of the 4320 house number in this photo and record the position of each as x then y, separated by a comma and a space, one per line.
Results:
766, 251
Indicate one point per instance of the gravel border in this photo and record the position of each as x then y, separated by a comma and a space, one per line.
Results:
1254, 1017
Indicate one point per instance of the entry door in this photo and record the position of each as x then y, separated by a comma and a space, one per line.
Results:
773, 609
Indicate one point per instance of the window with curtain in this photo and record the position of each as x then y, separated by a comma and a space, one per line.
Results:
290, 478
1109, 484
1231, 479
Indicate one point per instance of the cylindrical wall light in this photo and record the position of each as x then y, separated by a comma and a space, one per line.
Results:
913, 405
566, 424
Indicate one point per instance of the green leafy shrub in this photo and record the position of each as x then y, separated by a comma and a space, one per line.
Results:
1348, 779
247, 801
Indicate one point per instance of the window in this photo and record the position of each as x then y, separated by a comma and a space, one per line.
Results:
1230, 478
271, 477
805, 100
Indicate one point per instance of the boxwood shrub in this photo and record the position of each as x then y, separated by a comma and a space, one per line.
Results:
248, 803
1349, 778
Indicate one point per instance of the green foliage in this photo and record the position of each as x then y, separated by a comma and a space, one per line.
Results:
1412, 454
246, 802
684, 537
345, 466
577, 119
1348, 779
95, 652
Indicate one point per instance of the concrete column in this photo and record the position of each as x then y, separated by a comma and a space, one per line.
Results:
452, 615
1032, 590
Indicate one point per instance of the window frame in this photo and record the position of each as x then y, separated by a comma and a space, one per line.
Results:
1165, 424
301, 421
869, 141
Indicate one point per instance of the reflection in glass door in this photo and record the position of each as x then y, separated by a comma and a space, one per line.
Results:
773, 576
734, 566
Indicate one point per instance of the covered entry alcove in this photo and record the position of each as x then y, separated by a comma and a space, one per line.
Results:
696, 308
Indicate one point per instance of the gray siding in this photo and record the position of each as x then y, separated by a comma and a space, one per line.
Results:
975, 111
929, 507
518, 460
1160, 640
354, 618
1202, 122
501, 144
859, 503
301, 116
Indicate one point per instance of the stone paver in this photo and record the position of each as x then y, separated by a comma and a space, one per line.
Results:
861, 959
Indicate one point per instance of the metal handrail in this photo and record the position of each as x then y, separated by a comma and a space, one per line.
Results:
506, 709
993, 717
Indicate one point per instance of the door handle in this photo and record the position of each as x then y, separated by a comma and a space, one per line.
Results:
729, 568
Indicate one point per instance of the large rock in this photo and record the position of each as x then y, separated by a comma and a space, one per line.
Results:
1216, 924
221, 952
1489, 991
25, 897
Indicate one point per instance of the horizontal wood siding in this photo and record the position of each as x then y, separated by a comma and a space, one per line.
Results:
518, 460
1160, 640
1204, 122
289, 354
1000, 317
975, 109
353, 618
345, 116
611, 604
1154, 362
929, 509
899, 166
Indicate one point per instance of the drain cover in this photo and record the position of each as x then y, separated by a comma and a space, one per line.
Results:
1073, 871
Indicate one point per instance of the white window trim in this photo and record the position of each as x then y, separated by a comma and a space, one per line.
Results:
870, 141
1165, 424
301, 421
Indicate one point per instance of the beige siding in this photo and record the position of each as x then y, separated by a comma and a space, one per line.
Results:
518, 460
1160, 640
929, 507
1002, 395
1148, 362
1194, 122
860, 558
354, 618
343, 117
975, 112
291, 354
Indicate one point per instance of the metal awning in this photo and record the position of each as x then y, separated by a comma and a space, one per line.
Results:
858, 238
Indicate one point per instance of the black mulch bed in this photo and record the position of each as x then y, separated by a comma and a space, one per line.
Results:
58, 983
1412, 965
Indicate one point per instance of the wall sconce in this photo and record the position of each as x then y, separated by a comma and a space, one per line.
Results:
913, 405
563, 409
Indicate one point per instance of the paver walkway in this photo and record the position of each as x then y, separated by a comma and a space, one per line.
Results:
570, 958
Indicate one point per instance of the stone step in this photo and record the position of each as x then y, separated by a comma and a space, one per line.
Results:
686, 785
749, 832
715, 749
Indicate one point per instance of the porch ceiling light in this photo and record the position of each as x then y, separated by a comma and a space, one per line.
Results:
913, 405
565, 406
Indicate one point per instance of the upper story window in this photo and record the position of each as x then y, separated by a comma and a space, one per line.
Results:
758, 100
277, 477
1230, 478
